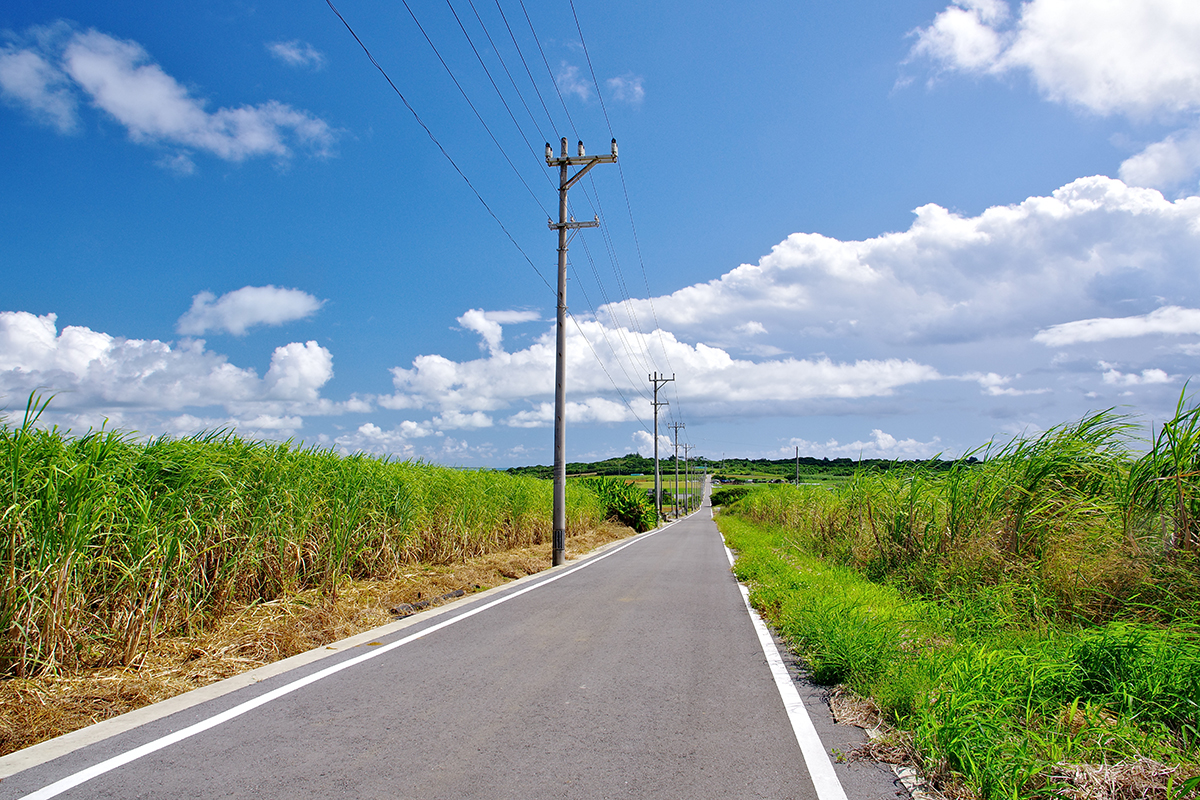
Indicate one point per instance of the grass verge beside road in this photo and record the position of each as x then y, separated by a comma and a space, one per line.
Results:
1096, 711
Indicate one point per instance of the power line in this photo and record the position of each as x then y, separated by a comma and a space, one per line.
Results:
500, 58
599, 361
478, 116
525, 64
499, 94
618, 273
551, 72
434, 139
467, 180
597, 207
621, 172
579, 28
620, 329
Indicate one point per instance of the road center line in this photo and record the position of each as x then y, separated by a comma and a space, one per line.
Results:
820, 768
71, 781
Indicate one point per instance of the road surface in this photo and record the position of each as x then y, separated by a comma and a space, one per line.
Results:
633, 673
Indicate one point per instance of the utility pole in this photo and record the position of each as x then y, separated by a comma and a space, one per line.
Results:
677, 426
687, 481
565, 223
657, 381
797, 465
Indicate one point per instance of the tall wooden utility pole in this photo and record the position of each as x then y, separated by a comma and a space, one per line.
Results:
676, 426
565, 223
657, 381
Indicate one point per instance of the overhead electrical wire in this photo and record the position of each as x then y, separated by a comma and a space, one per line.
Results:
549, 71
619, 275
620, 328
603, 333
604, 230
596, 208
499, 94
478, 116
434, 139
500, 58
524, 63
621, 172
512, 116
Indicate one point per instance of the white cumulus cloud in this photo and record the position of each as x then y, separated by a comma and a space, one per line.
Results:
488, 325
1115, 377
1166, 164
626, 88
153, 385
1139, 59
237, 311
1095, 246
591, 410
54, 68
643, 443
501, 379
296, 53
1108, 56
880, 445
1169, 320
571, 82
28, 80
298, 371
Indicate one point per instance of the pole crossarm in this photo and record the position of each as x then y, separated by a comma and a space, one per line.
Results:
565, 161
572, 225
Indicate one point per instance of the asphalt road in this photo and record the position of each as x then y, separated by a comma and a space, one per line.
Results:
637, 675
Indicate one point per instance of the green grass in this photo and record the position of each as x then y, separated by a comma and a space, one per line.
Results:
106, 541
1018, 614
1003, 709
624, 502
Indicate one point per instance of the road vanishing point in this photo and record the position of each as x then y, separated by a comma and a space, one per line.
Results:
633, 672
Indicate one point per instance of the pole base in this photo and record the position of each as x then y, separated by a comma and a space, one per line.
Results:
560, 548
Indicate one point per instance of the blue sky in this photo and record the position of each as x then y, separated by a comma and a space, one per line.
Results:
888, 229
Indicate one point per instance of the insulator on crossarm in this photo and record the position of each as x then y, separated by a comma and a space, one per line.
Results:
549, 151
614, 147
581, 148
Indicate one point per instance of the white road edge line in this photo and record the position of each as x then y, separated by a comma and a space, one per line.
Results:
820, 768
96, 770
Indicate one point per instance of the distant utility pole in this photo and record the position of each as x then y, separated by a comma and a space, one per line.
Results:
687, 479
677, 426
657, 381
565, 223
797, 465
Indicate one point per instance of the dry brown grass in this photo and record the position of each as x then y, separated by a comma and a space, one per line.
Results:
33, 710
1143, 779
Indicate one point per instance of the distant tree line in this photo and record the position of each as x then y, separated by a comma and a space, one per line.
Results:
633, 464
